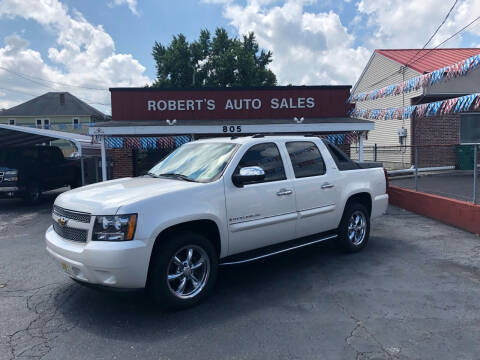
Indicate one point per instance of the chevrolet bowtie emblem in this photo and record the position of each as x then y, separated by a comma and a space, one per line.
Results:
62, 221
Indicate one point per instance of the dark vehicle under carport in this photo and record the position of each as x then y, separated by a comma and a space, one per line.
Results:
28, 166
28, 171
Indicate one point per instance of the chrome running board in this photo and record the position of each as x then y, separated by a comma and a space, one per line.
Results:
278, 251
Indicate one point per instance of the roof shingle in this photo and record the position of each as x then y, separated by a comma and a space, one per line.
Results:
51, 103
428, 60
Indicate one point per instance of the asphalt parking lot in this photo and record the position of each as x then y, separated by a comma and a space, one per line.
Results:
454, 184
412, 294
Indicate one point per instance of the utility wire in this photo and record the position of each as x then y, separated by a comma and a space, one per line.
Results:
443, 42
31, 78
34, 95
424, 46
435, 33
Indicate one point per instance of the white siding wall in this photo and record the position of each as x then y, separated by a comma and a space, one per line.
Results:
462, 85
385, 132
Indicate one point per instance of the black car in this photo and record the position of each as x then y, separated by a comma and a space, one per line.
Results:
28, 171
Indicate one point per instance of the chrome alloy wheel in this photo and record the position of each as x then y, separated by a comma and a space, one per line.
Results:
188, 272
357, 227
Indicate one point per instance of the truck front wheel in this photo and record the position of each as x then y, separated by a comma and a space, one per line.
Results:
354, 229
32, 193
183, 270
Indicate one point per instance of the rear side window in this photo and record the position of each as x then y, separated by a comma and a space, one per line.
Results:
341, 159
267, 156
306, 159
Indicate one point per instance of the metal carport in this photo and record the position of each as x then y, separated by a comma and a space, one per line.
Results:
16, 136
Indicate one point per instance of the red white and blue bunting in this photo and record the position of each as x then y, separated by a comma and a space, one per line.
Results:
460, 68
443, 107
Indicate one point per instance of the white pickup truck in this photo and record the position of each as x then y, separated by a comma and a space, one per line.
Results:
214, 202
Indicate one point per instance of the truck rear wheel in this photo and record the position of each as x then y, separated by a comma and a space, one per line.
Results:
183, 270
354, 230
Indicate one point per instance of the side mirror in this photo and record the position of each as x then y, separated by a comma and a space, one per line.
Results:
248, 175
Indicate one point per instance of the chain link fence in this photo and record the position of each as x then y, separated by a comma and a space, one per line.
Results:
445, 170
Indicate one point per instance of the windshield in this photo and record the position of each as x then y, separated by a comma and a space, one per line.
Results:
15, 156
201, 162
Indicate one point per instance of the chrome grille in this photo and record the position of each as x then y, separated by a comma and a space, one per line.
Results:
69, 214
77, 235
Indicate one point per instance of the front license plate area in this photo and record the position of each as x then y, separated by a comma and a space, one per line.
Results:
67, 268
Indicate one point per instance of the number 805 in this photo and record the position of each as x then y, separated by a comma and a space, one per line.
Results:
232, 129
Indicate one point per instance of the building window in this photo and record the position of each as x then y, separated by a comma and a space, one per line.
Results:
38, 122
46, 124
76, 123
11, 122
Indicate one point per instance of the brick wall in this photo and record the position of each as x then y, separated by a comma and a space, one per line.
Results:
436, 130
122, 161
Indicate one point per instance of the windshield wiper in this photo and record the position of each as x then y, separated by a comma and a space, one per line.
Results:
152, 174
177, 176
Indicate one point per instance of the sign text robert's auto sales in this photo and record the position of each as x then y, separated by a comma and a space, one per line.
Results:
230, 104
283, 102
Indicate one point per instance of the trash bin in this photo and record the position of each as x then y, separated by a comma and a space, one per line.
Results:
464, 157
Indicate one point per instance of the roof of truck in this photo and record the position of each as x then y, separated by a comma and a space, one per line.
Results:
253, 138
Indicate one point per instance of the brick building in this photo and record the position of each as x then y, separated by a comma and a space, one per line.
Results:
147, 124
393, 66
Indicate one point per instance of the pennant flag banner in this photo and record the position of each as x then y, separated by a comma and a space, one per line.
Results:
460, 68
443, 107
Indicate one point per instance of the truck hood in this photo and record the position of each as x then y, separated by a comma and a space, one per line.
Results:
107, 197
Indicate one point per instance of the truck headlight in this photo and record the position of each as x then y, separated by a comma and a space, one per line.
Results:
10, 175
114, 227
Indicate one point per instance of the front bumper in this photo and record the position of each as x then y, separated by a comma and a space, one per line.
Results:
10, 191
122, 264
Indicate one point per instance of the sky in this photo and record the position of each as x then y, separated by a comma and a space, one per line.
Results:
87, 46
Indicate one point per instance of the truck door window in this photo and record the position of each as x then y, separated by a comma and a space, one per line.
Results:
267, 156
306, 159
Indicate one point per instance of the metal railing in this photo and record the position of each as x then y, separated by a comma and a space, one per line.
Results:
442, 169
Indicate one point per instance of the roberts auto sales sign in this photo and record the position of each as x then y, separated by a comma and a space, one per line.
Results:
230, 104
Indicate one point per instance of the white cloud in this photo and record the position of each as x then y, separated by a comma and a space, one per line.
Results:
84, 55
315, 47
132, 5
308, 48
409, 24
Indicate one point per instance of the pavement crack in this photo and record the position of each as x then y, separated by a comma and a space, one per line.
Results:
33, 341
360, 339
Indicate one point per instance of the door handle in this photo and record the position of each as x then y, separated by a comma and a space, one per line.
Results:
327, 186
282, 192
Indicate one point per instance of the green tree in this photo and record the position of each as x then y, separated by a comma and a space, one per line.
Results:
218, 61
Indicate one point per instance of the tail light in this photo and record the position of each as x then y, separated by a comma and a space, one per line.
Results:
386, 178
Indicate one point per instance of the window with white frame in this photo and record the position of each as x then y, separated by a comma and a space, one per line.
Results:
38, 123
11, 122
76, 123
46, 123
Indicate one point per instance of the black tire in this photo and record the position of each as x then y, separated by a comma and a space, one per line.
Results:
164, 291
351, 237
32, 193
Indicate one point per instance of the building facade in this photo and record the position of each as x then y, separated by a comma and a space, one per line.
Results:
54, 110
149, 123
387, 67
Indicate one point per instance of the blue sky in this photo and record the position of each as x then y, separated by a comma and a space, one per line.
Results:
71, 45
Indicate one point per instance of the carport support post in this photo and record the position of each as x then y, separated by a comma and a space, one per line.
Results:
82, 168
475, 174
416, 168
104, 158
